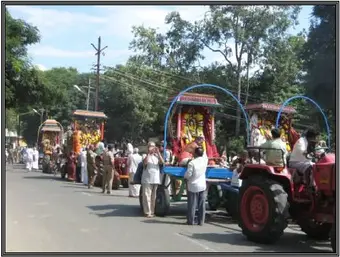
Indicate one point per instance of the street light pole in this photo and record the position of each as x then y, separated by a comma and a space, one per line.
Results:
41, 114
87, 94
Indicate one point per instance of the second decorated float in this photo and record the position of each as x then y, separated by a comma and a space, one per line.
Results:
50, 135
87, 128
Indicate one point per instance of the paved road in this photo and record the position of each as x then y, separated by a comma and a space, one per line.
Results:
45, 214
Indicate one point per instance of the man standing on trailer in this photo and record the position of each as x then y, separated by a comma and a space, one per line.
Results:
188, 152
196, 186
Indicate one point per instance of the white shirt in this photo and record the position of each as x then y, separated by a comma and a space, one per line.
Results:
133, 161
100, 148
151, 174
299, 150
83, 159
30, 154
274, 157
195, 174
129, 148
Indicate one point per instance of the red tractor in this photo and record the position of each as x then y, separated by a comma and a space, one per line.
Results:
270, 195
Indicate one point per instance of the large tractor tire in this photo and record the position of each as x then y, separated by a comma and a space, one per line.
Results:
231, 203
215, 195
263, 209
333, 235
162, 201
315, 230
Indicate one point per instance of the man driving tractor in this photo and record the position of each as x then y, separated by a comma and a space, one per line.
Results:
299, 159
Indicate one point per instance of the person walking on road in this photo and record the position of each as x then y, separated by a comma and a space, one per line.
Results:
35, 164
151, 179
10, 155
91, 166
83, 165
108, 160
196, 186
132, 164
78, 168
71, 166
29, 159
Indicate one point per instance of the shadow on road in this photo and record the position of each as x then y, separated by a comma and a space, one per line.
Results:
43, 177
156, 221
115, 210
289, 242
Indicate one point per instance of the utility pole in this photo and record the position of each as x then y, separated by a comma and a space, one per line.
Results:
99, 50
88, 95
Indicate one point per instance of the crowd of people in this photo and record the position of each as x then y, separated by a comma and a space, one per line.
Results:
27, 155
145, 170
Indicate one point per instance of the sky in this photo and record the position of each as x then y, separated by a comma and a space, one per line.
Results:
68, 31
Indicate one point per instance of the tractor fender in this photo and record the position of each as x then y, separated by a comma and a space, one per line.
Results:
268, 171
251, 169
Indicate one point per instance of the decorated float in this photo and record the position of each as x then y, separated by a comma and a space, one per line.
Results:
192, 116
50, 134
262, 120
87, 129
278, 192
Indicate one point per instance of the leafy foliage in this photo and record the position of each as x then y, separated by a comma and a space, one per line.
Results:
319, 56
261, 62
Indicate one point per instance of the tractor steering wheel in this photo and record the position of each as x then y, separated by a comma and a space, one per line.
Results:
318, 153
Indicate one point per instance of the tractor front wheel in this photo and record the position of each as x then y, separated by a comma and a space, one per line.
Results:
141, 198
215, 195
315, 230
162, 201
263, 208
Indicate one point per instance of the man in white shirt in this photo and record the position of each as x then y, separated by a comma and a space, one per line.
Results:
298, 158
196, 186
132, 165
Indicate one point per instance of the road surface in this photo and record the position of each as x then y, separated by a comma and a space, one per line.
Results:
44, 214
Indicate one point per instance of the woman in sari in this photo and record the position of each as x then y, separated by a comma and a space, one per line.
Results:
71, 166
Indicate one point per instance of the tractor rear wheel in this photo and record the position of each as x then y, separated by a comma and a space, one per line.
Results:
315, 230
215, 195
333, 238
263, 209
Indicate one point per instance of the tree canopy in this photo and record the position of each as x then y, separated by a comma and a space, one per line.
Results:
260, 62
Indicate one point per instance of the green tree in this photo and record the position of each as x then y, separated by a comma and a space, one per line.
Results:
248, 26
21, 79
319, 55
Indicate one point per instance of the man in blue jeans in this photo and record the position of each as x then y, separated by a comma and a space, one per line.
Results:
196, 186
